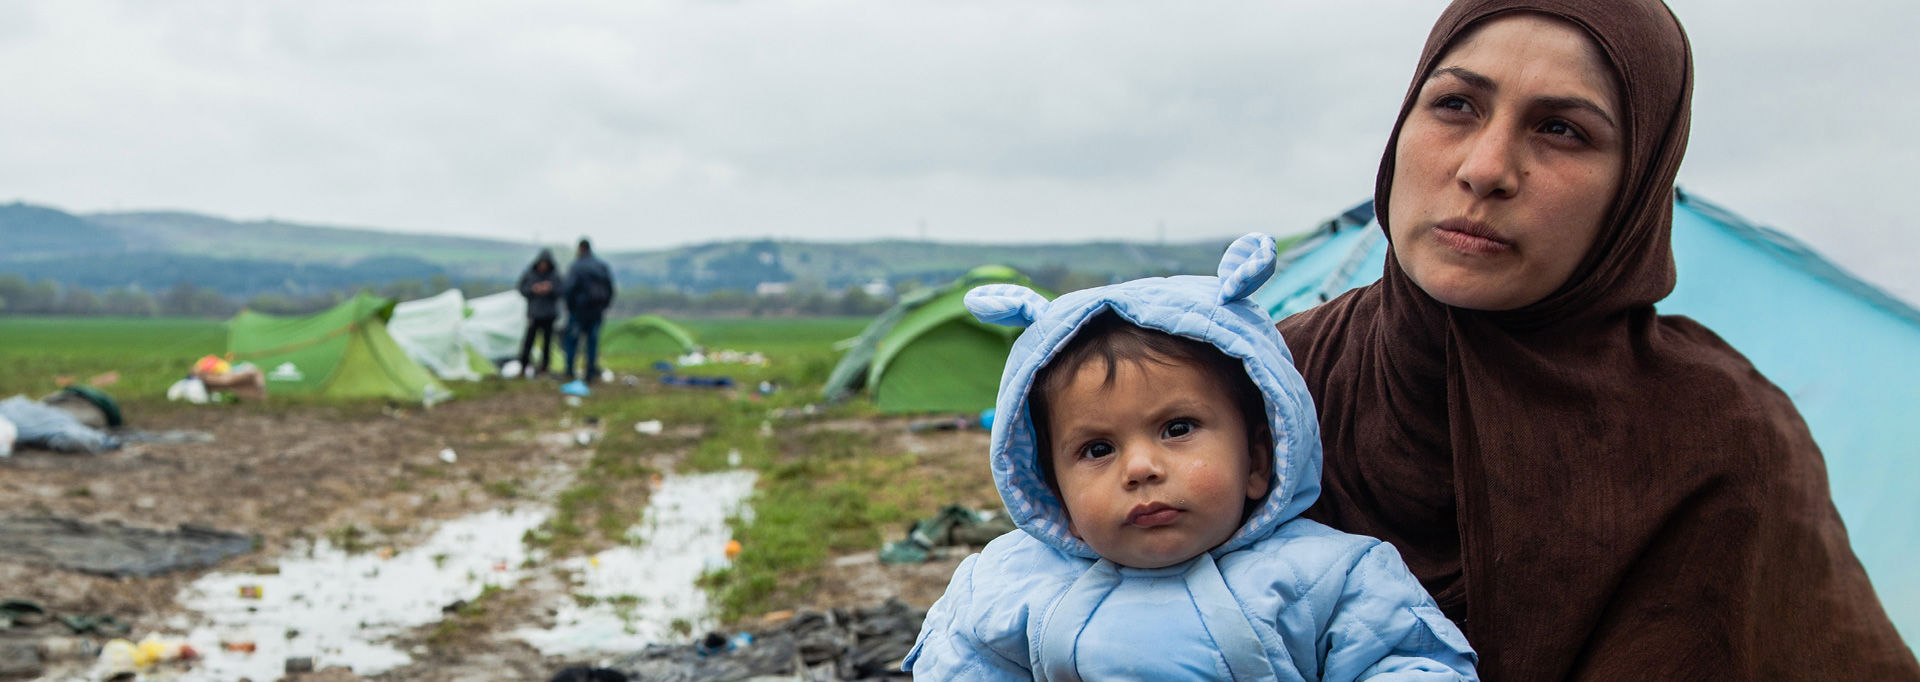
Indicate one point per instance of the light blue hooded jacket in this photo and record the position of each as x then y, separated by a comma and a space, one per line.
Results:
1284, 598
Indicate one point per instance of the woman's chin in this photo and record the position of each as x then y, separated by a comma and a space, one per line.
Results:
1465, 290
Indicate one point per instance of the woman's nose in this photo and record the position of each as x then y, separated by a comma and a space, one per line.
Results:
1490, 168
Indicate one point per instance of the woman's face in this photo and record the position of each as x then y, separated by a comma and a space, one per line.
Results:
1506, 164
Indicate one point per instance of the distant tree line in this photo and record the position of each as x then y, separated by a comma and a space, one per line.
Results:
20, 296
798, 297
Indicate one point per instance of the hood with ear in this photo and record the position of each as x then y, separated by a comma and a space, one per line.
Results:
1214, 310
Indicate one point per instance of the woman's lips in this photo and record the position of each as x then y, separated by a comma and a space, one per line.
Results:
1152, 515
1471, 237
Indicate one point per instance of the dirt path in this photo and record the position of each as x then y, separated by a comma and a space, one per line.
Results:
377, 479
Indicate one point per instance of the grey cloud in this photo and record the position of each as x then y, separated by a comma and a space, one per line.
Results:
663, 122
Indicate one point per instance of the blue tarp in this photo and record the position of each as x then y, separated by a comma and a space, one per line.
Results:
1848, 354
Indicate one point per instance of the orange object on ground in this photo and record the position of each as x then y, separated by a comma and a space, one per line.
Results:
211, 364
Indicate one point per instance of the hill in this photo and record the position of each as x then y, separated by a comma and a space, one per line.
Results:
273, 240
157, 250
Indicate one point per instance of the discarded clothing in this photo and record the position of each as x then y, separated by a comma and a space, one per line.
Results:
52, 428
21, 613
705, 382
114, 550
954, 525
90, 405
841, 644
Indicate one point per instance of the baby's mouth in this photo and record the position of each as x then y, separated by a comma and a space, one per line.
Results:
1151, 515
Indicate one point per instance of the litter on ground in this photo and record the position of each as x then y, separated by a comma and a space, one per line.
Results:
953, 526
112, 549
45, 426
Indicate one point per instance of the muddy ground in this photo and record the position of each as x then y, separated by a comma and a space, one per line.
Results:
290, 475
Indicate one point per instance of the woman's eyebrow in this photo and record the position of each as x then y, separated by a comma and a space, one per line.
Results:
1563, 103
1471, 78
1481, 82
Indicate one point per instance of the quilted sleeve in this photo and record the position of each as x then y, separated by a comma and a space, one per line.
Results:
949, 647
1386, 627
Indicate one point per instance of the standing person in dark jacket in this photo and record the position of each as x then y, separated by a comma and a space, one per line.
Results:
540, 284
589, 290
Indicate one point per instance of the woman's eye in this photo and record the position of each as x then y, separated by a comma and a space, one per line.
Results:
1178, 428
1096, 450
1454, 103
1561, 129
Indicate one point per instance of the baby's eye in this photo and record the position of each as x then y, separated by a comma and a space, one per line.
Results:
1096, 449
1177, 428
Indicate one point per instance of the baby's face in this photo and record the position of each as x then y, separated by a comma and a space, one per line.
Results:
1155, 467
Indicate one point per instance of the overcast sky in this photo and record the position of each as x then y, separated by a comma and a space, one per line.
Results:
654, 123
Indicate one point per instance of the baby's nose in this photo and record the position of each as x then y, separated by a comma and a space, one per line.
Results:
1143, 466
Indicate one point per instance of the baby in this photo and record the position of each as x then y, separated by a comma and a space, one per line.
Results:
1156, 447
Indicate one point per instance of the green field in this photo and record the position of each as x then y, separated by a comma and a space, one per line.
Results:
151, 353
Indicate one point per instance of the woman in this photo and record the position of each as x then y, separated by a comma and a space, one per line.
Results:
540, 284
1591, 490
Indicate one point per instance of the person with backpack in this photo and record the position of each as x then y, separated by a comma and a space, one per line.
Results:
589, 290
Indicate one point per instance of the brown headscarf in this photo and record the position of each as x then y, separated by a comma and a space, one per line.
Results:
1592, 490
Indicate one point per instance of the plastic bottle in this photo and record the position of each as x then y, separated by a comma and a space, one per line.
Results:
68, 649
119, 656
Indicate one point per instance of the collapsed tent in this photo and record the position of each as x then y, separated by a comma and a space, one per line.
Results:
495, 324
927, 353
1834, 343
430, 330
647, 335
342, 352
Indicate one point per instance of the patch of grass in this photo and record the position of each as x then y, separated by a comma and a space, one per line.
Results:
349, 538
829, 493
511, 489
470, 618
148, 353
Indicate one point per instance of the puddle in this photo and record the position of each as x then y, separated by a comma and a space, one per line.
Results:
639, 592
336, 607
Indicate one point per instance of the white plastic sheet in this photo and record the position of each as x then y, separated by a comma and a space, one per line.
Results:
495, 324
52, 428
429, 331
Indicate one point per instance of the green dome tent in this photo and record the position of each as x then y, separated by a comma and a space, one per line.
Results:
927, 353
343, 352
647, 335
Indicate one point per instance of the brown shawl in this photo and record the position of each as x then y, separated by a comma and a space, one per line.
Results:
1592, 490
